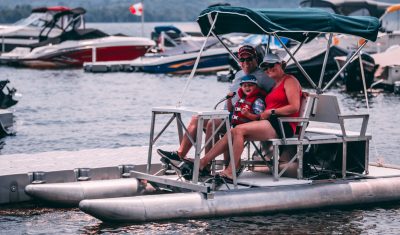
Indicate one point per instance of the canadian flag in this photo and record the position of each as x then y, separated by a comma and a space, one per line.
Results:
136, 9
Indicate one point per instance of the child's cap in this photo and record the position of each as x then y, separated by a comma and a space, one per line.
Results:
249, 79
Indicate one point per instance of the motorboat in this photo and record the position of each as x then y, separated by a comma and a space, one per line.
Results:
30, 31
387, 74
311, 58
215, 59
73, 53
178, 52
388, 36
7, 100
74, 45
169, 36
175, 53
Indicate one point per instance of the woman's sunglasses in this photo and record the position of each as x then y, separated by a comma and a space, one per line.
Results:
268, 66
248, 59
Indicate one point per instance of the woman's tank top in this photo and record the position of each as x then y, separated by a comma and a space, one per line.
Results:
277, 99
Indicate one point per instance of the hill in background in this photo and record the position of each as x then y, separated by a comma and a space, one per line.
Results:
117, 10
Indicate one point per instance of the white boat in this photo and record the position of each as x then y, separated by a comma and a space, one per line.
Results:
74, 45
176, 53
387, 74
39, 26
73, 53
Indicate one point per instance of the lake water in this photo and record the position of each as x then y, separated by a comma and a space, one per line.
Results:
72, 110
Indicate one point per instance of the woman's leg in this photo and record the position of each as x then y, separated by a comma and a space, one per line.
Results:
220, 147
209, 131
256, 130
185, 145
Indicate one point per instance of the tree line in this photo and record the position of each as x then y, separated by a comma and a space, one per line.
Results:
154, 11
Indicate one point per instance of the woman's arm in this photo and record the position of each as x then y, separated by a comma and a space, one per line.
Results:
292, 91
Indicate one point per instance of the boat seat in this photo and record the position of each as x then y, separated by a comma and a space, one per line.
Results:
321, 109
303, 119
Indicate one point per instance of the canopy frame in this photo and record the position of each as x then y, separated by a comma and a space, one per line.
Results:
318, 89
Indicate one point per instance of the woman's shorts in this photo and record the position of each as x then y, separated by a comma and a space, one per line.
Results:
287, 128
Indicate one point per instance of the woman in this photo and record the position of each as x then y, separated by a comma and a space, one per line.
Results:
283, 100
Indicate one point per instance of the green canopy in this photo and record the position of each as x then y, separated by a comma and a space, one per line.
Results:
294, 23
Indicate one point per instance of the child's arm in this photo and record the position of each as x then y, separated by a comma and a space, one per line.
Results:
258, 108
250, 115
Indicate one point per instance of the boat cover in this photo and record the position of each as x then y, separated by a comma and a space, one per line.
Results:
347, 7
294, 23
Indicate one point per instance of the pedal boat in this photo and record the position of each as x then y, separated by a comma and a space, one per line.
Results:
334, 168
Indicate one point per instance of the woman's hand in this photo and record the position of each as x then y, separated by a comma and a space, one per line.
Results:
265, 115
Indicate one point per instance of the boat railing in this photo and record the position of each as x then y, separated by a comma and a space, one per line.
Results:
202, 116
322, 109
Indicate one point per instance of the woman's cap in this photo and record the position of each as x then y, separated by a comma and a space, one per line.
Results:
247, 50
249, 79
270, 58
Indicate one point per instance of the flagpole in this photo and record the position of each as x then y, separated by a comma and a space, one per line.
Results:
142, 16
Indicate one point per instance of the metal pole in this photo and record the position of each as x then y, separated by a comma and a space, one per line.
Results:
3, 47
321, 77
297, 63
151, 142
142, 18
94, 54
197, 62
197, 150
226, 47
344, 158
230, 150
297, 49
344, 66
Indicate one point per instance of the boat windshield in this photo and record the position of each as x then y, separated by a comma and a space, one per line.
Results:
35, 20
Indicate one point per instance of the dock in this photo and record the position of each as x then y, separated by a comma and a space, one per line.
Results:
109, 66
19, 170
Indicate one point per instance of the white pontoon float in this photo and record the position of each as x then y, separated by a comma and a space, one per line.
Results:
340, 172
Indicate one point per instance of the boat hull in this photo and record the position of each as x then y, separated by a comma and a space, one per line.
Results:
212, 60
76, 58
206, 64
242, 201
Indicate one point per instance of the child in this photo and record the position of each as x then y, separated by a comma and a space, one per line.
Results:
250, 103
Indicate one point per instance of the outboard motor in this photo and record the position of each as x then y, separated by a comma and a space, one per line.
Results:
352, 74
6, 99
